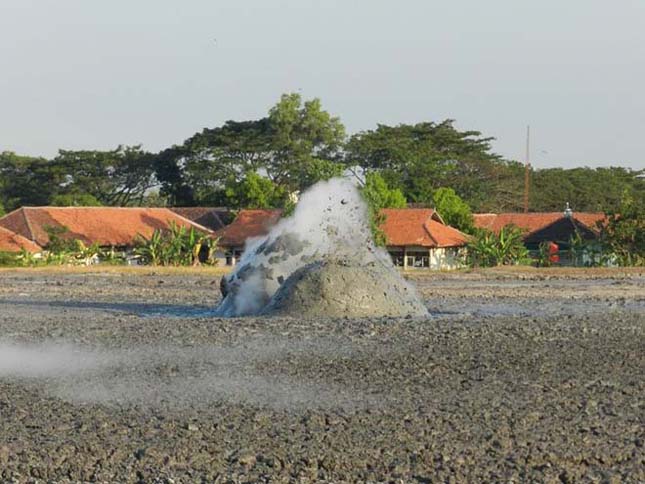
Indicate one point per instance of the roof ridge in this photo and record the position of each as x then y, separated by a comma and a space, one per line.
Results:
425, 227
28, 224
93, 207
190, 222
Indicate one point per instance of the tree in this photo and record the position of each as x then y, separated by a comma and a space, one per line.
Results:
27, 181
74, 200
453, 209
118, 177
420, 158
378, 196
295, 146
2, 211
624, 233
488, 249
586, 189
254, 191
304, 140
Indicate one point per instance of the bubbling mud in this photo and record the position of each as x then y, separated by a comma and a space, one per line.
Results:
321, 261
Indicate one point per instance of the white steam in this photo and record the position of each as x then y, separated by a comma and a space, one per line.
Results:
330, 221
179, 376
40, 361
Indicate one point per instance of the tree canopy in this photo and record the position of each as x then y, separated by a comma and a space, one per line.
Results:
263, 162
294, 146
453, 209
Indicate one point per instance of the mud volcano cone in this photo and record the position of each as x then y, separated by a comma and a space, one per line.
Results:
341, 288
321, 261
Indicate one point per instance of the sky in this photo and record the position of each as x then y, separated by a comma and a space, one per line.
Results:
90, 74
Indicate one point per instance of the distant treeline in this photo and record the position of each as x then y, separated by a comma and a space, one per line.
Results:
259, 163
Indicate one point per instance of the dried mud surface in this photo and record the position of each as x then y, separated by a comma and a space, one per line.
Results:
515, 377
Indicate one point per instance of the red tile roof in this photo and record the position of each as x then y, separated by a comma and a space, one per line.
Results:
107, 226
12, 242
530, 222
247, 224
419, 226
214, 218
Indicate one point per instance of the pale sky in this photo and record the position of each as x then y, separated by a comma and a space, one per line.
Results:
90, 74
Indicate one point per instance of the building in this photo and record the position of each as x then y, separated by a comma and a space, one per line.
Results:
106, 226
538, 227
12, 242
213, 218
247, 225
418, 238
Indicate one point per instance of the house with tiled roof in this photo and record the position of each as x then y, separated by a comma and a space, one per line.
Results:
118, 227
419, 238
213, 218
248, 224
538, 227
13, 243
416, 238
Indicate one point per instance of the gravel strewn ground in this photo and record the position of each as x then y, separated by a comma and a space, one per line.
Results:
515, 378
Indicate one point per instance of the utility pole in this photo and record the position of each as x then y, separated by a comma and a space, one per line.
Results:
526, 170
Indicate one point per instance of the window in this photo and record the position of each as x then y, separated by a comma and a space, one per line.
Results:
418, 259
397, 258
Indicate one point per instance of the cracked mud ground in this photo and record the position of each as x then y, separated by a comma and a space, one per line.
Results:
516, 377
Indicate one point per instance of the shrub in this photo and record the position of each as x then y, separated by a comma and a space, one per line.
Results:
488, 249
177, 246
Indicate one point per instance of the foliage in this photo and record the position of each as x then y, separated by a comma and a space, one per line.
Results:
26, 181
544, 254
8, 259
177, 246
453, 210
2, 211
488, 249
59, 241
420, 158
624, 233
378, 196
118, 177
74, 200
260, 162
589, 253
586, 189
254, 191
293, 147
304, 139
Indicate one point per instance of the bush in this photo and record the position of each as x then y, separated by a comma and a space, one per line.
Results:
488, 249
176, 247
624, 233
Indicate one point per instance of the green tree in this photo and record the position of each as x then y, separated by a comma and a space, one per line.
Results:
378, 196
453, 209
420, 158
586, 189
74, 200
624, 233
488, 249
296, 145
254, 191
27, 181
2, 211
118, 177
304, 139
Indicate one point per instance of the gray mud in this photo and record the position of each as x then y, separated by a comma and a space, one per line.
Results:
336, 289
320, 261
125, 378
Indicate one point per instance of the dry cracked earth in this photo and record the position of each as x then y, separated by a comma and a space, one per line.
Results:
533, 376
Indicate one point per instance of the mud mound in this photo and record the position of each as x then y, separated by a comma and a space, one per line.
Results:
320, 261
336, 288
